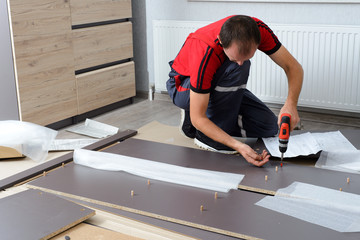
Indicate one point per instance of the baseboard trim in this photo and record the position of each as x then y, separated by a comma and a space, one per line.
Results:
79, 118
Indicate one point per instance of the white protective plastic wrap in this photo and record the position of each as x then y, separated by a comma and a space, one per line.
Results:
326, 207
299, 145
211, 180
344, 161
309, 143
30, 139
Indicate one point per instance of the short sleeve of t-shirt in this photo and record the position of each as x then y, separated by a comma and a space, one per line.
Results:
269, 43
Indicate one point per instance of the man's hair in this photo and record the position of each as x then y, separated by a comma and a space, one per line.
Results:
240, 29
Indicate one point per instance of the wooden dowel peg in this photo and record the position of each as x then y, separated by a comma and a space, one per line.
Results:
276, 168
44, 173
63, 164
266, 177
201, 208
348, 180
148, 182
216, 195
132, 193
340, 189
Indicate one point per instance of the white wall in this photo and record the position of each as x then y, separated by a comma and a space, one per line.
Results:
8, 95
290, 13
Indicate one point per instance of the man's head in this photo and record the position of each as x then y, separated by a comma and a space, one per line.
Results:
240, 37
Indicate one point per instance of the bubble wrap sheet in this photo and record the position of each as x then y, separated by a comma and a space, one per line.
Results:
30, 139
344, 161
309, 143
326, 207
211, 180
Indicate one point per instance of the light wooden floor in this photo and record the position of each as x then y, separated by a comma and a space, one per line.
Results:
161, 109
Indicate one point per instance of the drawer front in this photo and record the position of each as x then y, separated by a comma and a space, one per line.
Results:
105, 86
44, 60
102, 44
91, 11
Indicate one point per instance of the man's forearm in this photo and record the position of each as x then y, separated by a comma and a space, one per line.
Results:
293, 71
207, 127
295, 79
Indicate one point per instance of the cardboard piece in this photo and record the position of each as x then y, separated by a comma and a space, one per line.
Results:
119, 223
158, 132
33, 214
7, 152
90, 232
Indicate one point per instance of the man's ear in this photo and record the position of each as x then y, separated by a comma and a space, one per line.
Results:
219, 39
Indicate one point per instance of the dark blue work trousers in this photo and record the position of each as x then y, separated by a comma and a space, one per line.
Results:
231, 106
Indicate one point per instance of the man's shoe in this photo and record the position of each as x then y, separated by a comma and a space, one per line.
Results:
186, 128
207, 143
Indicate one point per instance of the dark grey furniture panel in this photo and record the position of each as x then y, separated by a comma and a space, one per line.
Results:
33, 214
233, 213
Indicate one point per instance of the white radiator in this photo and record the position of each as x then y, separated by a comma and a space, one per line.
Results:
330, 56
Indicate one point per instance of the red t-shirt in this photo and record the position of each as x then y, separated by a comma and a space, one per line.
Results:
202, 54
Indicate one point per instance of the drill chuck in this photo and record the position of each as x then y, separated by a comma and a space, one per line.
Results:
283, 145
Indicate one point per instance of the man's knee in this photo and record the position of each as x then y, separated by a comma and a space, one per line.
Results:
256, 126
268, 124
273, 128
171, 89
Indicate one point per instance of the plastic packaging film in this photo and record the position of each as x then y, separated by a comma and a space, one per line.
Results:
309, 143
94, 129
338, 153
326, 207
331, 141
302, 144
211, 180
30, 139
345, 161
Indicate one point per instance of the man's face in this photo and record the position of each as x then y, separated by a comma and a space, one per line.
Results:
233, 54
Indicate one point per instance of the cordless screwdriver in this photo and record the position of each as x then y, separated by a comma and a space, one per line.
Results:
284, 134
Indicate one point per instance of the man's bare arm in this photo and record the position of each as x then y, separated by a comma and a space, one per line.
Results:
294, 73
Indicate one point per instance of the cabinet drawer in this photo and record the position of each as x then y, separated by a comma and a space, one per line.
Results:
102, 44
91, 11
105, 86
44, 60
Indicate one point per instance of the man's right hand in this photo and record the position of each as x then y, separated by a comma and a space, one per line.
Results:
253, 157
